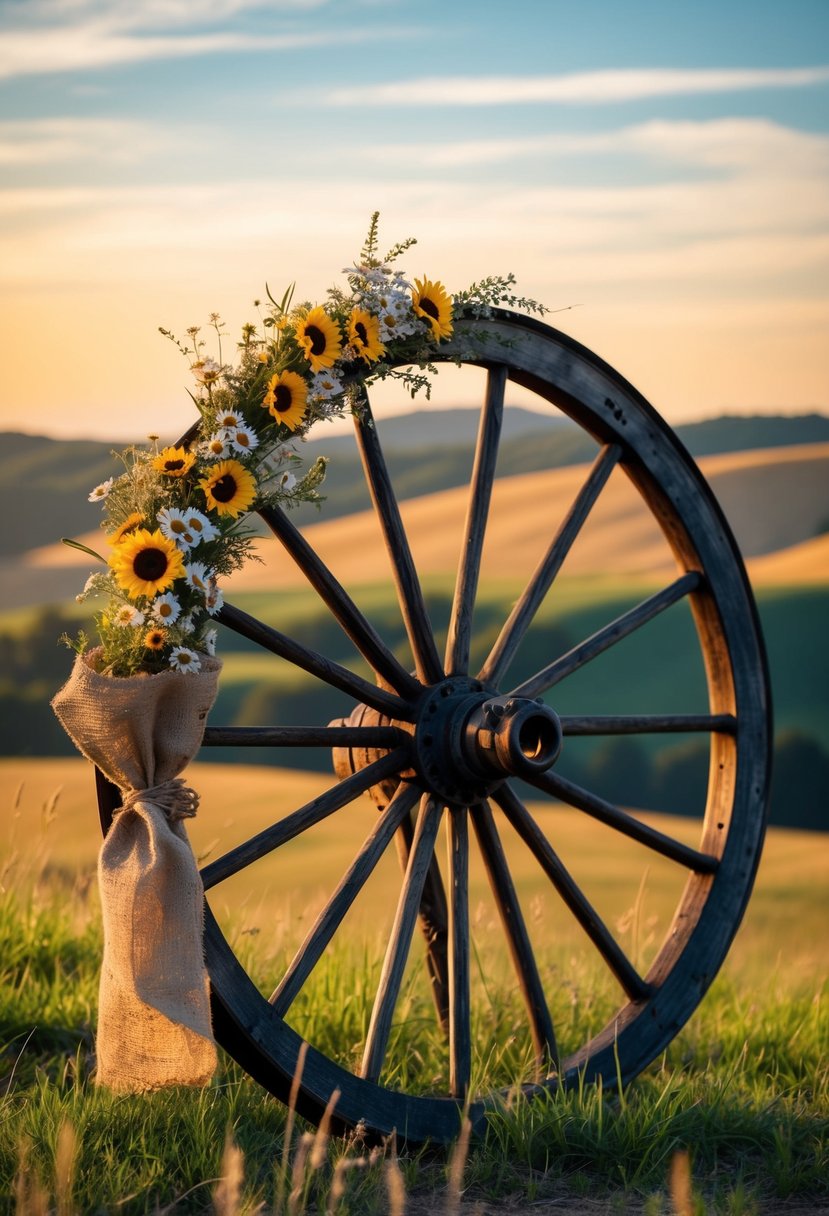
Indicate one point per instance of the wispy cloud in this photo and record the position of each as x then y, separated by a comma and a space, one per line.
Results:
724, 143
49, 141
588, 88
74, 48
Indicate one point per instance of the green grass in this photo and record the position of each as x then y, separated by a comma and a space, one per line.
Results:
744, 1087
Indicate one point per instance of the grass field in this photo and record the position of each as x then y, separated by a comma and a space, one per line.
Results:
744, 1088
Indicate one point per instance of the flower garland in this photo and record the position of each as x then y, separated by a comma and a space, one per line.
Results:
175, 519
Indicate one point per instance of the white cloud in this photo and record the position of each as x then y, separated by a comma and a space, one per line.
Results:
49, 141
725, 143
589, 88
73, 48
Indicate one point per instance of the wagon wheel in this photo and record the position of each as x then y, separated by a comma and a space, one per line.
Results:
460, 744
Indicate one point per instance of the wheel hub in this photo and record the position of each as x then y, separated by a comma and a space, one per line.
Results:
466, 741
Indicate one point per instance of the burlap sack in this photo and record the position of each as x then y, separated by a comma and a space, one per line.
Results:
154, 1014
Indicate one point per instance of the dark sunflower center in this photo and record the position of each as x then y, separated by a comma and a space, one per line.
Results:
430, 308
150, 564
173, 466
282, 398
361, 332
224, 489
317, 339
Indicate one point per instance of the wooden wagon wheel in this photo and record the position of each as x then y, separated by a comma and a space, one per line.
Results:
447, 743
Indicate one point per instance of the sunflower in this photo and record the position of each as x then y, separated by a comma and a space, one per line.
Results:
146, 563
430, 301
364, 335
229, 488
286, 398
319, 337
155, 638
175, 462
129, 525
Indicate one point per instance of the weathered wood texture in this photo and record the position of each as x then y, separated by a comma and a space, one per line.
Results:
416, 723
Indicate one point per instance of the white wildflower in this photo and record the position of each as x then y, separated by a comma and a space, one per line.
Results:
242, 438
215, 447
324, 386
198, 576
166, 608
173, 525
184, 659
199, 526
100, 492
213, 597
206, 371
128, 615
210, 637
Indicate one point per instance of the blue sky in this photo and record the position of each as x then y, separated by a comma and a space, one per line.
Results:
662, 168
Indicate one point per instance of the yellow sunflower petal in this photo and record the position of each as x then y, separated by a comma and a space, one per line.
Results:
431, 301
145, 563
175, 462
286, 399
319, 339
364, 335
229, 488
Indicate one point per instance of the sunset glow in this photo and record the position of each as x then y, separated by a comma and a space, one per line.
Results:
661, 175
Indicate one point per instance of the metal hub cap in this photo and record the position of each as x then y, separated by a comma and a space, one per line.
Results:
468, 739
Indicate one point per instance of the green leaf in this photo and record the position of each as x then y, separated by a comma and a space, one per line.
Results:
76, 544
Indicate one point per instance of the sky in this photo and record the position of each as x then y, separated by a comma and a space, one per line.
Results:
657, 173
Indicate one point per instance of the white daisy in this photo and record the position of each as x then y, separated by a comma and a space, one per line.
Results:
100, 492
184, 659
210, 641
242, 438
187, 624
199, 576
213, 598
287, 482
215, 447
199, 525
166, 608
229, 419
127, 615
173, 525
206, 371
324, 386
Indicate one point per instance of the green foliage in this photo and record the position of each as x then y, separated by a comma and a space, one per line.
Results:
744, 1089
669, 775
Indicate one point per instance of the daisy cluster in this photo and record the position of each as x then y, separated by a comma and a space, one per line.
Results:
175, 519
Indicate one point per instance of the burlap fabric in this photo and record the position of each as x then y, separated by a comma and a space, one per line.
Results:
154, 1014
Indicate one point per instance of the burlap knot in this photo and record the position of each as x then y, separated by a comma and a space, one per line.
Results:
176, 799
154, 1010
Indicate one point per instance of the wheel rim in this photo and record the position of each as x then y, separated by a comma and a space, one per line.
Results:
417, 781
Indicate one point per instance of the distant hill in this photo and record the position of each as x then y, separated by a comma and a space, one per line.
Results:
44, 482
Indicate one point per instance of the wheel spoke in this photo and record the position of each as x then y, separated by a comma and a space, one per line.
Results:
521, 617
349, 888
368, 642
504, 893
647, 724
325, 669
434, 921
409, 593
615, 817
460, 1035
303, 736
572, 895
299, 821
397, 951
602, 640
469, 566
